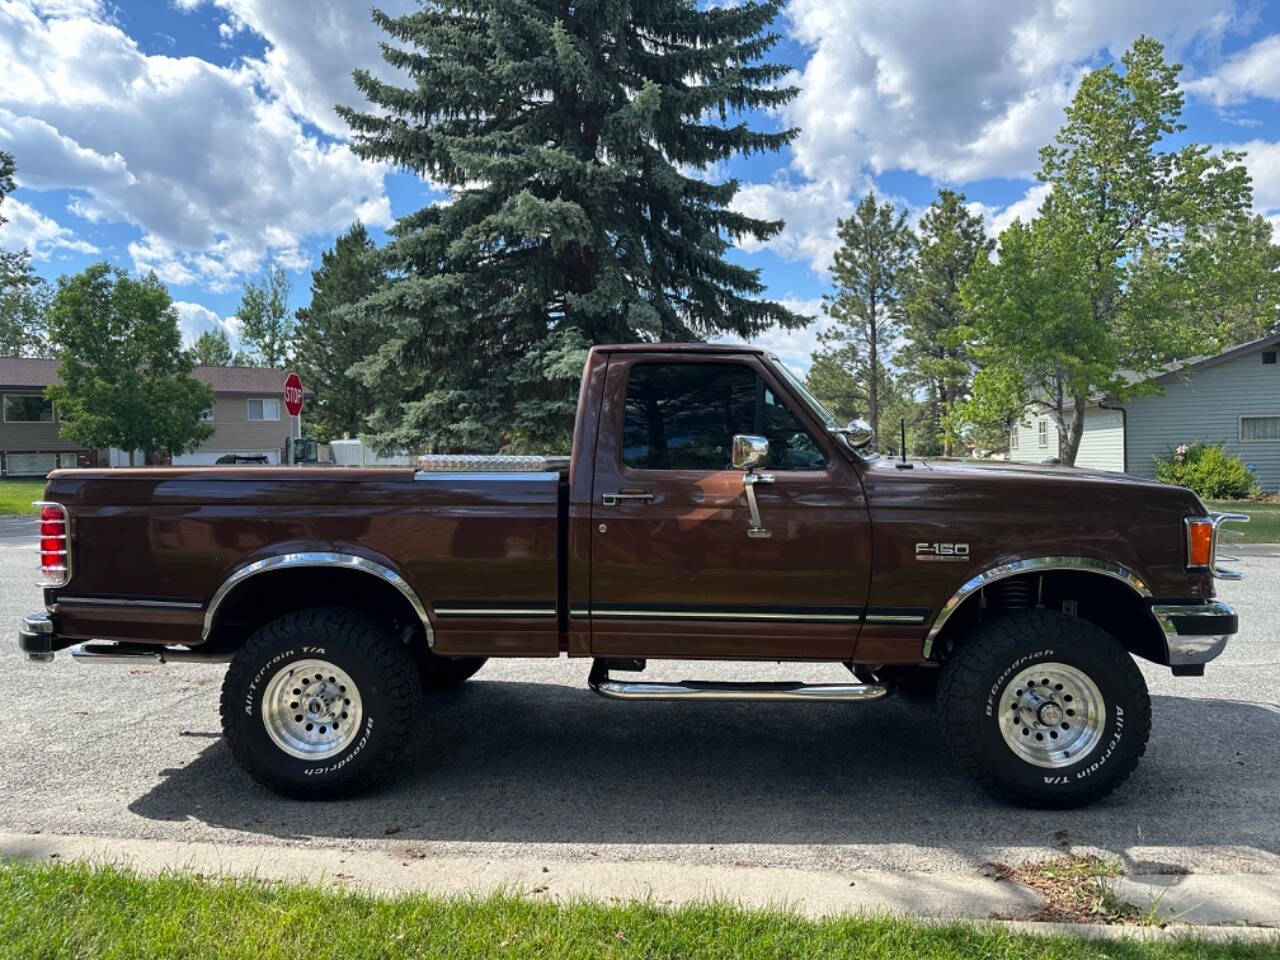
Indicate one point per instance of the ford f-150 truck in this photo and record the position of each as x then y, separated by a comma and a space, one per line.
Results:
711, 509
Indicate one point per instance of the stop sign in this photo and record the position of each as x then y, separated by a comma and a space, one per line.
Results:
293, 394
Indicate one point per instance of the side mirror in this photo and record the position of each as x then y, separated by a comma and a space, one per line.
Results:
858, 433
750, 451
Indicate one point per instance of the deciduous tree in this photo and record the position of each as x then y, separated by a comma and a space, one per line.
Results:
266, 324
125, 380
1079, 300
579, 144
24, 296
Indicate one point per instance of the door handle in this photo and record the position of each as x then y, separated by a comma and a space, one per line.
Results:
613, 499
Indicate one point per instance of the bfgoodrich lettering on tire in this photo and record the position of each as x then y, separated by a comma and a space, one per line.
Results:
318, 703
1045, 710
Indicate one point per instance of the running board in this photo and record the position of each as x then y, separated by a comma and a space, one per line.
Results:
119, 652
601, 683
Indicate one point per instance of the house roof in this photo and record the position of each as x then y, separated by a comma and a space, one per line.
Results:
1200, 363
38, 373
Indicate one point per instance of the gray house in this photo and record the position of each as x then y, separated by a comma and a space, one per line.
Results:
1231, 398
249, 420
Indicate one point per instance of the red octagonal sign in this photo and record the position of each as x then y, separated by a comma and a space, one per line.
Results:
293, 394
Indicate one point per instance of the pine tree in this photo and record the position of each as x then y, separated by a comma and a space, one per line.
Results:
579, 144
212, 349
949, 240
869, 266
331, 336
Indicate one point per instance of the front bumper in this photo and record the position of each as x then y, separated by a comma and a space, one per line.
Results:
1195, 633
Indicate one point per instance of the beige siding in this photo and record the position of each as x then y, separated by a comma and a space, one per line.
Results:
32, 437
234, 432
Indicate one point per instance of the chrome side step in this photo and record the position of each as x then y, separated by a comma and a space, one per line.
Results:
119, 652
600, 682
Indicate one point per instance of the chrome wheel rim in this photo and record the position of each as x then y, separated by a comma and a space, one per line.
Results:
1052, 715
311, 709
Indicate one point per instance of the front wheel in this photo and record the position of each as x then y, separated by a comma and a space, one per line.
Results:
318, 703
1045, 710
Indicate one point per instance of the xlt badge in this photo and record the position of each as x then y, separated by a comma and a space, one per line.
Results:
942, 551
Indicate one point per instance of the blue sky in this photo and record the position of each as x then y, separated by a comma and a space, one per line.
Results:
197, 138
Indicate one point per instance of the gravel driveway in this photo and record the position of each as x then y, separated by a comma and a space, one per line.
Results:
524, 762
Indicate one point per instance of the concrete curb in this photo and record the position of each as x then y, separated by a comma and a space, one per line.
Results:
409, 867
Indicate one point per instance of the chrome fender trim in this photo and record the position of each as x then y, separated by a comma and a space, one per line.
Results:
1035, 565
289, 560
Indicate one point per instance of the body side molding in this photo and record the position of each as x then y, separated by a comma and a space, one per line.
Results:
1034, 565
287, 561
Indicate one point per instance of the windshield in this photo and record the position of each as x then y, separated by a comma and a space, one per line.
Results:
814, 404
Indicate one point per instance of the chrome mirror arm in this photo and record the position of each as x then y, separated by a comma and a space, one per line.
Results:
749, 480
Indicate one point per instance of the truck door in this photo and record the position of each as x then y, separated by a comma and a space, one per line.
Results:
676, 569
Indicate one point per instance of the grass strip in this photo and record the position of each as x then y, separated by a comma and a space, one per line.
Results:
1263, 525
16, 495
76, 910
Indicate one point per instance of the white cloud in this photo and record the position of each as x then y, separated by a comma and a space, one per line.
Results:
1026, 209
29, 229
217, 176
1253, 72
195, 319
810, 210
311, 48
1262, 159
795, 347
957, 91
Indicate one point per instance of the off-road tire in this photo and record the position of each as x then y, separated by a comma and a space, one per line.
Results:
367, 651
442, 673
975, 676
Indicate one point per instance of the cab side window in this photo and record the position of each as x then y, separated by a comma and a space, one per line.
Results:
682, 416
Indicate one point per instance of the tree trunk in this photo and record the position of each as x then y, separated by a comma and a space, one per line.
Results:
131, 458
1069, 434
873, 392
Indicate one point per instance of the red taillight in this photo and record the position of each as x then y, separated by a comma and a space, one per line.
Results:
54, 545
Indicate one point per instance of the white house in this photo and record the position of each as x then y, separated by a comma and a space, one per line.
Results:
1231, 398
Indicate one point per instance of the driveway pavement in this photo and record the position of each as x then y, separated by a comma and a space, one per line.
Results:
523, 763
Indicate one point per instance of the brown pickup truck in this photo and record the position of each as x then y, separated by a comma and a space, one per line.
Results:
711, 509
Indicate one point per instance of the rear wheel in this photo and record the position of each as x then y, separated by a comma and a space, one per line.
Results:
318, 703
1045, 710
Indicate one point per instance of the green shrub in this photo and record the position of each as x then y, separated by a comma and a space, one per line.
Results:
1207, 469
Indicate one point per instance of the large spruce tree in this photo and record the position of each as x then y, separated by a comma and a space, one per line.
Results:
579, 145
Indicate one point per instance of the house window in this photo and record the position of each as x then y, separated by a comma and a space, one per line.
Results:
1269, 357
1259, 429
1043, 434
27, 408
1013, 439
263, 408
206, 416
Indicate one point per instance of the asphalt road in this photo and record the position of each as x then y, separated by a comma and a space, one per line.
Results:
524, 762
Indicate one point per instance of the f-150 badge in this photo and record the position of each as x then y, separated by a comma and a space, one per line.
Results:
942, 551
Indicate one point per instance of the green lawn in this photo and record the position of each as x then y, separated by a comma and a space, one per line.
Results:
1264, 520
49, 911
16, 495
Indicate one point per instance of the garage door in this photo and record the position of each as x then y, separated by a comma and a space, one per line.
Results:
29, 464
